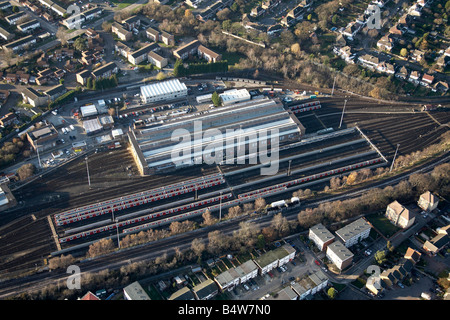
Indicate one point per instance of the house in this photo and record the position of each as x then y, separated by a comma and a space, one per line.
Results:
386, 67
8, 119
399, 215
346, 53
83, 76
5, 35
412, 255
141, 54
437, 243
402, 73
55, 92
414, 77
352, 29
13, 18
354, 232
274, 258
33, 97
257, 11
417, 55
205, 290
369, 61
297, 12
131, 23
59, 10
92, 13
208, 54
232, 277
89, 296
183, 294
5, 5
428, 201
152, 34
20, 44
441, 86
427, 80
339, 254
397, 30
157, 60
106, 70
273, 29
187, 50
122, 33
167, 38
386, 43
270, 4
210, 12
122, 49
321, 236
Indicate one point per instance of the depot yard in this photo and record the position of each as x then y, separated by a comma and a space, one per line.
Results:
113, 174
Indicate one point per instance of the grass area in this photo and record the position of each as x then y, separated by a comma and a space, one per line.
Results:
121, 4
380, 222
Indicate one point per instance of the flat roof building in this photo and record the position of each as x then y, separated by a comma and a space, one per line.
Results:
163, 91
243, 126
321, 236
340, 255
354, 232
134, 291
234, 96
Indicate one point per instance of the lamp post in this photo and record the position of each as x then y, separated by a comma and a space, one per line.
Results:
342, 116
220, 206
87, 169
117, 228
395, 155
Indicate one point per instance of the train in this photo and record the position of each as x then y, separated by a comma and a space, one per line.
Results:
282, 204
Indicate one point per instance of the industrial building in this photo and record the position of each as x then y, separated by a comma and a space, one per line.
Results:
234, 96
240, 129
162, 91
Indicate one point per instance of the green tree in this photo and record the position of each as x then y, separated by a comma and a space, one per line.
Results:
89, 83
403, 52
331, 293
380, 256
215, 99
178, 68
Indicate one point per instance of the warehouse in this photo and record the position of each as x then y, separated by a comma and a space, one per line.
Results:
92, 126
234, 96
162, 91
88, 111
232, 134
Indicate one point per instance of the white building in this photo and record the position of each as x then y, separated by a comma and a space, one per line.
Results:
354, 232
162, 91
339, 254
428, 201
321, 236
275, 258
135, 291
88, 111
234, 96
227, 280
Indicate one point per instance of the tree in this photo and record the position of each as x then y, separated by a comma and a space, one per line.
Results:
208, 219
178, 68
331, 293
215, 99
380, 257
100, 247
80, 44
295, 49
160, 76
197, 246
26, 171
403, 52
260, 204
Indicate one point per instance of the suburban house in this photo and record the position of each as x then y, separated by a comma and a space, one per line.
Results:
412, 255
346, 53
385, 43
157, 60
402, 73
354, 232
20, 44
55, 91
141, 54
414, 77
183, 294
428, 201
386, 67
131, 23
339, 254
105, 71
208, 54
437, 243
321, 236
399, 215
303, 288
33, 97
232, 277
427, 80
205, 290
160, 36
187, 50
8, 119
13, 18
369, 61
257, 11
5, 35
83, 76
121, 32
352, 29
29, 26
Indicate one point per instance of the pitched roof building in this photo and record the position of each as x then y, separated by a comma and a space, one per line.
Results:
399, 215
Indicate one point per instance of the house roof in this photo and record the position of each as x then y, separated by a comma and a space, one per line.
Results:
321, 232
428, 196
90, 296
412, 255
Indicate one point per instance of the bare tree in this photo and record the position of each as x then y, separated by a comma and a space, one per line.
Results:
208, 219
260, 204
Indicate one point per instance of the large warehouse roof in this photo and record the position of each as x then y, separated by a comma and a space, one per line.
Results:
162, 88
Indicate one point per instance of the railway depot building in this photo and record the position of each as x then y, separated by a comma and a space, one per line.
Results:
163, 91
242, 131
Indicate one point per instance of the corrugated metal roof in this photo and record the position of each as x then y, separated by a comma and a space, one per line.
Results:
161, 88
